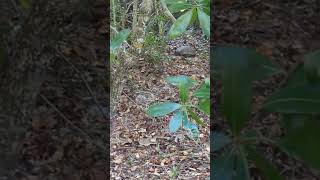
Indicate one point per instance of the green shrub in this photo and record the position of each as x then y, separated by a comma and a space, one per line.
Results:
191, 11
183, 112
298, 103
154, 48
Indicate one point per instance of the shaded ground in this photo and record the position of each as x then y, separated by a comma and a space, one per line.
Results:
141, 147
67, 137
283, 31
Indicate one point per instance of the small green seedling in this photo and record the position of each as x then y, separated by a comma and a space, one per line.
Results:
183, 112
174, 172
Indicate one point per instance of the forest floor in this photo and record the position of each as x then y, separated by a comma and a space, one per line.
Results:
142, 147
282, 31
67, 135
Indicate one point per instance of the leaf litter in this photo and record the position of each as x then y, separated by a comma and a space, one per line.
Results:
146, 148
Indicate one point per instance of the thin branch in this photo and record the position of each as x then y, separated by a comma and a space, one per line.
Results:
167, 12
135, 17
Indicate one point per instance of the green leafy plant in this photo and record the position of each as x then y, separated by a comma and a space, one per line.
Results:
298, 104
154, 48
183, 112
116, 42
174, 172
191, 11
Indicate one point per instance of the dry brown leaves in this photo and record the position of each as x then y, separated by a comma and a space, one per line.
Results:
141, 147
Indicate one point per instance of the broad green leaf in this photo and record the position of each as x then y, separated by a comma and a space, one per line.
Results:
179, 6
312, 66
233, 63
259, 66
267, 169
204, 106
241, 166
175, 122
194, 16
119, 39
203, 91
220, 141
303, 142
207, 82
169, 2
195, 117
185, 120
204, 20
297, 77
180, 80
180, 25
162, 109
205, 4
291, 122
183, 93
222, 166
190, 126
300, 99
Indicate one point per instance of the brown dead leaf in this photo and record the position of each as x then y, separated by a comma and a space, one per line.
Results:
147, 141
118, 159
134, 168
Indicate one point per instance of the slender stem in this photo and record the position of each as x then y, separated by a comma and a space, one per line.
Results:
135, 17
114, 13
167, 12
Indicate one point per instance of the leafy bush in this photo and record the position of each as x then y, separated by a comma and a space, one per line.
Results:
183, 111
154, 48
192, 11
298, 103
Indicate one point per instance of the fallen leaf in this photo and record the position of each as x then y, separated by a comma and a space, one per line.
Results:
118, 159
